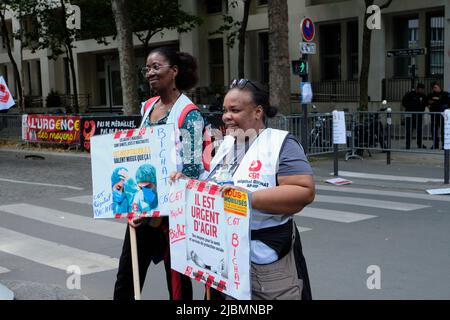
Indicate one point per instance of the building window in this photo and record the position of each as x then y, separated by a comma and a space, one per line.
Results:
405, 37
213, 6
436, 45
262, 2
216, 69
264, 57
352, 50
330, 51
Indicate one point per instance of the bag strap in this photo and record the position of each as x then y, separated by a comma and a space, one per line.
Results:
149, 102
188, 108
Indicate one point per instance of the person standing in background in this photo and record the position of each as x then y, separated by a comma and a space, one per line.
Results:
438, 101
415, 101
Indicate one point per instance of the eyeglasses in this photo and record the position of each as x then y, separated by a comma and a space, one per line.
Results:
146, 70
241, 83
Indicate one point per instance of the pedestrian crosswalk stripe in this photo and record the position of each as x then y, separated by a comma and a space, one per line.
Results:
386, 177
68, 220
381, 204
81, 199
54, 254
372, 192
334, 215
41, 184
303, 229
4, 270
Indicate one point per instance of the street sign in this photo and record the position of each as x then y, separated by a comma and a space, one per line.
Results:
307, 48
406, 52
307, 29
300, 67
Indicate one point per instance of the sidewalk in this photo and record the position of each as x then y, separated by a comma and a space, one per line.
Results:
409, 171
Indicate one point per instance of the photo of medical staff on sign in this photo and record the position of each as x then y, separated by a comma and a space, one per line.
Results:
136, 193
209, 236
130, 172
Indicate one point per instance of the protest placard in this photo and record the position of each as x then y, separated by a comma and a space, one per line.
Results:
209, 236
130, 172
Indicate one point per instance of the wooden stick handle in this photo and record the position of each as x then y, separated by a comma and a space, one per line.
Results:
208, 292
135, 264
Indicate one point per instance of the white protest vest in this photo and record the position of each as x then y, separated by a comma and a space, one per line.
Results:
257, 170
173, 117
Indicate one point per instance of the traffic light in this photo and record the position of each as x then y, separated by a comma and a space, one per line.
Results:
300, 67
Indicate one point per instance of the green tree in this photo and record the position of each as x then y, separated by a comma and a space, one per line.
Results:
150, 17
53, 34
146, 18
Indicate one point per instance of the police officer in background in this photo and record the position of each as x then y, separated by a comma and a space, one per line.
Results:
415, 101
438, 100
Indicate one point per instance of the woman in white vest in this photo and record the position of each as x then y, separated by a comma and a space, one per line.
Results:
272, 165
169, 73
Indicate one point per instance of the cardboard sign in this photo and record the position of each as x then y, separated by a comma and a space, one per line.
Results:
209, 236
130, 172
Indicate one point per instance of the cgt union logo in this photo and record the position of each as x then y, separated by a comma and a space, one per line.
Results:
254, 169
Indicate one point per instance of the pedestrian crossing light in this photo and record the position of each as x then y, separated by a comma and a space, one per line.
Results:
300, 67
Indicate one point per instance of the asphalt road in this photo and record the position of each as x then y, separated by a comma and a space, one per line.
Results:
374, 239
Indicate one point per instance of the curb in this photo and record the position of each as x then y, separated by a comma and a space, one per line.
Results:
53, 153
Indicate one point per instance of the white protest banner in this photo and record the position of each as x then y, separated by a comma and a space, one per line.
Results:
447, 130
339, 132
130, 172
209, 236
6, 98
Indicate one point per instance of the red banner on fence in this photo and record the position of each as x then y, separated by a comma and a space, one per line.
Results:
61, 129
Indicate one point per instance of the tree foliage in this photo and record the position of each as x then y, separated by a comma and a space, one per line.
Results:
147, 18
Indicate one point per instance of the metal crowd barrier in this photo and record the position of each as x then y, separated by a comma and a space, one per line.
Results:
419, 132
380, 131
11, 127
320, 131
